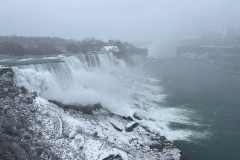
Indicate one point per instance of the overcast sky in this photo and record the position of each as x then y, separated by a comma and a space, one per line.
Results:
131, 20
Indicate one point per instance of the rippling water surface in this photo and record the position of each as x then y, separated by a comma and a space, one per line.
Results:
213, 96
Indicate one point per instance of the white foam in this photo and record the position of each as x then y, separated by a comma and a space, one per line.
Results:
25, 59
4, 60
1, 66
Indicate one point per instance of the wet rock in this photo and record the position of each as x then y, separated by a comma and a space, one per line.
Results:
23, 90
128, 118
27, 137
130, 126
113, 157
95, 134
87, 109
117, 128
12, 89
152, 119
4, 70
111, 114
137, 116
159, 147
3, 95
162, 138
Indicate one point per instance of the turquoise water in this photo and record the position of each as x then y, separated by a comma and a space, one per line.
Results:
214, 95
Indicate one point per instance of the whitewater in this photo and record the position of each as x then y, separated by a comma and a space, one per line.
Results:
87, 79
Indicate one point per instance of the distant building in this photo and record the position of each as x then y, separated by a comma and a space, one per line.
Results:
113, 49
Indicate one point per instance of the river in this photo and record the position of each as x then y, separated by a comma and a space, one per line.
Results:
213, 96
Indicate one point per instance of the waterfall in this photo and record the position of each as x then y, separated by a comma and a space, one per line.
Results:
78, 79
102, 78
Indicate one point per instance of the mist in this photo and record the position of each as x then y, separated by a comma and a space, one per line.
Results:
162, 23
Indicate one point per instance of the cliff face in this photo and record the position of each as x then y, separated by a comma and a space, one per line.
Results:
34, 128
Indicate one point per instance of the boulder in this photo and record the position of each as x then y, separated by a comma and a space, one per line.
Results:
128, 118
130, 126
137, 116
116, 127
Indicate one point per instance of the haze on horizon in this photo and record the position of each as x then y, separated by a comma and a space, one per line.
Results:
159, 21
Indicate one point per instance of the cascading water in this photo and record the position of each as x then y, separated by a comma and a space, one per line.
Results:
101, 78
76, 80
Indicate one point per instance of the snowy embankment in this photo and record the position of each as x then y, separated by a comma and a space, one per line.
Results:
102, 135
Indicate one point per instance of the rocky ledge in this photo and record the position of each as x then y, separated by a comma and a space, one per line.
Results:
33, 128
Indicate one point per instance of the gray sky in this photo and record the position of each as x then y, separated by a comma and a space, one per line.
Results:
131, 20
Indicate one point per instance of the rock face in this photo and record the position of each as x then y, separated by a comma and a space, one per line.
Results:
34, 128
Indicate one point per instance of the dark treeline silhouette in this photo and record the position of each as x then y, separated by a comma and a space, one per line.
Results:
15, 45
19, 45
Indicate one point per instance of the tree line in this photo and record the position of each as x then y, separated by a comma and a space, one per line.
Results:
19, 45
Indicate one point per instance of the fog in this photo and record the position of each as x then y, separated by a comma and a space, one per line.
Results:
160, 22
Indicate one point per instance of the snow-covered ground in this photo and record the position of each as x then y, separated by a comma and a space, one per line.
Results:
96, 137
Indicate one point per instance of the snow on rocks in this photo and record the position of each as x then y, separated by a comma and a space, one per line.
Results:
2, 67
94, 137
